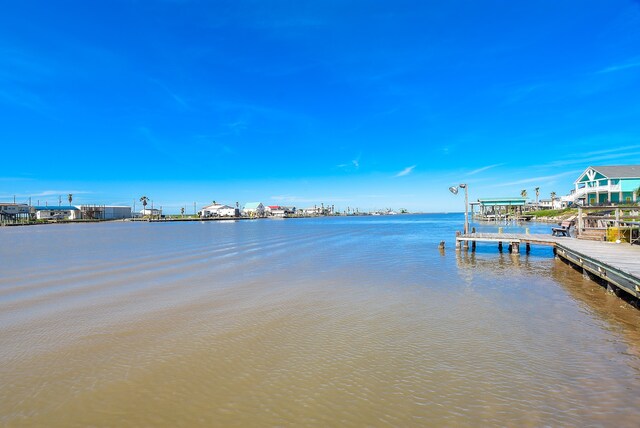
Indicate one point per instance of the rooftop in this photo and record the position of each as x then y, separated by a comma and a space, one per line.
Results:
55, 208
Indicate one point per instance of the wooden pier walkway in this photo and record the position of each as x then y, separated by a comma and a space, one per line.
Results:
616, 264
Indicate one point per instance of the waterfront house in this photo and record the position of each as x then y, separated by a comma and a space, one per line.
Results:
603, 185
279, 211
551, 204
269, 209
494, 208
63, 212
253, 209
104, 212
151, 212
11, 212
219, 210
312, 211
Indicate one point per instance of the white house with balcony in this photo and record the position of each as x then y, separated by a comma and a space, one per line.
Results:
12, 212
253, 209
219, 210
602, 185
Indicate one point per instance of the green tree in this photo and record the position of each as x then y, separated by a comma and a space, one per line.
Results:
553, 195
182, 211
537, 194
70, 198
144, 201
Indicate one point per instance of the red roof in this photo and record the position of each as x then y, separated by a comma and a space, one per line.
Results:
274, 207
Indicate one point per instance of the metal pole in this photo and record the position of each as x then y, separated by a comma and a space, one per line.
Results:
618, 222
466, 210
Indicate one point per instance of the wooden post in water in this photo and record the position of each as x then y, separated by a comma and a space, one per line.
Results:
580, 222
516, 247
473, 243
528, 248
441, 246
500, 246
457, 241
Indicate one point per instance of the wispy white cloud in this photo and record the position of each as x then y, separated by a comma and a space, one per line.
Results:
538, 180
306, 199
595, 157
61, 193
619, 67
484, 168
45, 193
22, 98
352, 165
178, 99
408, 170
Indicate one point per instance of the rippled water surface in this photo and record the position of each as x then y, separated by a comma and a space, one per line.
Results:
324, 322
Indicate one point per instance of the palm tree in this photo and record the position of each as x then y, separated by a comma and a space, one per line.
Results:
70, 198
537, 194
182, 211
144, 201
553, 195
523, 193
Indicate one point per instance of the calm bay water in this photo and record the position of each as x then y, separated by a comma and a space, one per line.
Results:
325, 322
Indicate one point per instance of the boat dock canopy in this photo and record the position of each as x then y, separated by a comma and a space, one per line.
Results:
501, 202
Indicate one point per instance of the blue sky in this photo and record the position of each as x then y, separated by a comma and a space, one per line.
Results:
365, 104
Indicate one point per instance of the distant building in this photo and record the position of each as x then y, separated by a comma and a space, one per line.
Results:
11, 212
316, 210
551, 204
219, 210
279, 211
104, 212
602, 185
151, 212
269, 209
63, 212
498, 207
254, 209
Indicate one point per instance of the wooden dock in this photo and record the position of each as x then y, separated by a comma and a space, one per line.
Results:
618, 265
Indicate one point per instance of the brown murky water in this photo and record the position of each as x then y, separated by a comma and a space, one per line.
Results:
330, 322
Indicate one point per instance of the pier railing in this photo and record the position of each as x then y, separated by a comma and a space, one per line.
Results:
613, 223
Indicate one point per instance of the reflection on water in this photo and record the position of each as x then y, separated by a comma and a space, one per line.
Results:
346, 321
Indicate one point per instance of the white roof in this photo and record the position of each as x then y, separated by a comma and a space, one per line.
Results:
214, 207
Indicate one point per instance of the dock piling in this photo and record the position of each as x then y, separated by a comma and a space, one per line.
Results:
604, 263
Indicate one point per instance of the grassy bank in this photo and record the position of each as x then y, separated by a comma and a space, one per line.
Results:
546, 214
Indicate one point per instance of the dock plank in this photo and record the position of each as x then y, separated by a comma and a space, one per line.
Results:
598, 256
